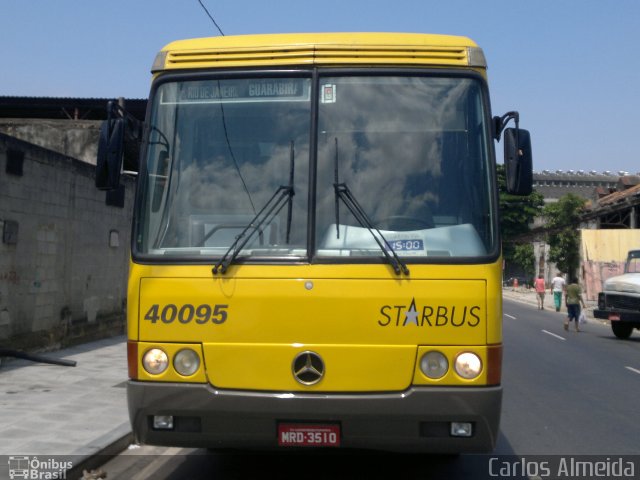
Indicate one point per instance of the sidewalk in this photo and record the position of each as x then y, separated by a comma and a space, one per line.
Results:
75, 412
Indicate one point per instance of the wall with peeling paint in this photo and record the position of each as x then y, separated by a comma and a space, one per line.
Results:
603, 254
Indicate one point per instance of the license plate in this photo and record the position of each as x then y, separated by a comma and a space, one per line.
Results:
308, 435
614, 316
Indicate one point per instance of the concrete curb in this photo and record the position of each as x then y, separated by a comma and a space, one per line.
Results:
108, 446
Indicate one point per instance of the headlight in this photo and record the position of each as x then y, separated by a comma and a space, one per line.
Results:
468, 365
155, 361
434, 364
186, 362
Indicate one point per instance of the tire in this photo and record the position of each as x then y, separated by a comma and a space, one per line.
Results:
621, 329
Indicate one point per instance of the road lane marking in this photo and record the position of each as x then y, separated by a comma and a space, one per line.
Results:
510, 316
635, 370
156, 463
554, 335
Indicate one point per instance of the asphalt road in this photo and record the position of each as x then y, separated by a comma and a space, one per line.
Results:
565, 394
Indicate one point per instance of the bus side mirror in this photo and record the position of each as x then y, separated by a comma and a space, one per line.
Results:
518, 161
118, 146
110, 151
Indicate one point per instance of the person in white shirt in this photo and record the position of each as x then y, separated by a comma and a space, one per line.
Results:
557, 288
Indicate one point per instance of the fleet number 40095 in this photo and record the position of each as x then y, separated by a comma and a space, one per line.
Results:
200, 314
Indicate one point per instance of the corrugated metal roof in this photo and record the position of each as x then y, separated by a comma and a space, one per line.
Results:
65, 108
622, 196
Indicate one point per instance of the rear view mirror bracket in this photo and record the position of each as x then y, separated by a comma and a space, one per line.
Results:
499, 123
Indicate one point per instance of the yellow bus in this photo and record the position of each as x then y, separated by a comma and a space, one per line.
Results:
315, 258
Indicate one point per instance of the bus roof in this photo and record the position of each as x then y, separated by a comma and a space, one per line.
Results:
320, 49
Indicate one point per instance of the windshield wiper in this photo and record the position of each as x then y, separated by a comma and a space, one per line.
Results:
343, 193
282, 196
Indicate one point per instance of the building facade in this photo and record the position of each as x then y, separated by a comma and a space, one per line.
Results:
612, 203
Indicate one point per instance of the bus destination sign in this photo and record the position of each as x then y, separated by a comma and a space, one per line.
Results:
247, 90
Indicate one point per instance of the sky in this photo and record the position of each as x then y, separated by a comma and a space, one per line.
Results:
570, 67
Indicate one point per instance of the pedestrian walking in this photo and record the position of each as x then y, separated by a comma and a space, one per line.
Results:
540, 289
557, 288
574, 301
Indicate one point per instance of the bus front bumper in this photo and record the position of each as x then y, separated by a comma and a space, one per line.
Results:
415, 420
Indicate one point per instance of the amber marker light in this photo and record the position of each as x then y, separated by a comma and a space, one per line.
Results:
494, 364
132, 359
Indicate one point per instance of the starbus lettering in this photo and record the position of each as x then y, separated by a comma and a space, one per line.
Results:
429, 315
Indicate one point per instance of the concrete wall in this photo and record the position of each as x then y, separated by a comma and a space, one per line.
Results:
543, 266
64, 252
73, 138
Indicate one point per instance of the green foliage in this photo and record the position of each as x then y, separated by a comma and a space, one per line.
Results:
516, 214
563, 219
523, 255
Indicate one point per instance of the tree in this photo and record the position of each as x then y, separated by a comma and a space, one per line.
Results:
516, 214
524, 256
563, 218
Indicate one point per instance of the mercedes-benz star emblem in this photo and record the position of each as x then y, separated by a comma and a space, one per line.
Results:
308, 368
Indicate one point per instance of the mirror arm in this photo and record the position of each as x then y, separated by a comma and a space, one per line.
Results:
499, 123
115, 110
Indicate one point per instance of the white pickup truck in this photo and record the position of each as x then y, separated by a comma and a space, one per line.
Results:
619, 302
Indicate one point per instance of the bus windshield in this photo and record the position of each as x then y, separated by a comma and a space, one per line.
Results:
412, 150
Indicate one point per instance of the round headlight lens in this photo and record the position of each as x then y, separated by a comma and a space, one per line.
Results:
468, 365
155, 361
434, 364
186, 362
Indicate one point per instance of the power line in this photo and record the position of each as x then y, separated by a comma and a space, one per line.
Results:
212, 19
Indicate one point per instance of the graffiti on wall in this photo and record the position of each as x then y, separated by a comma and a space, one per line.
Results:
595, 274
10, 276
